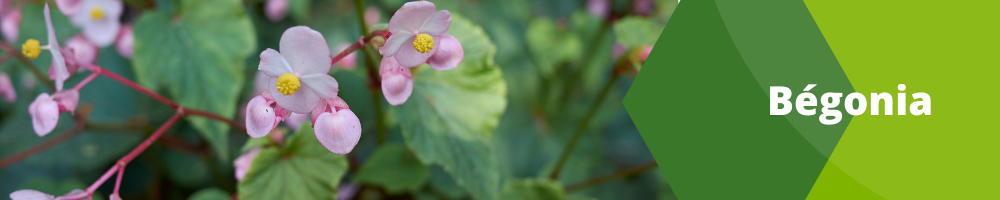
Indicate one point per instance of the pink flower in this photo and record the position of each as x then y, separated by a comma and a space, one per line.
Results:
349, 61
337, 127
99, 20
10, 24
276, 9
416, 33
397, 81
70, 7
449, 55
242, 163
58, 72
260, 82
372, 15
45, 110
81, 50
298, 74
599, 8
261, 118
7, 88
125, 40
36, 195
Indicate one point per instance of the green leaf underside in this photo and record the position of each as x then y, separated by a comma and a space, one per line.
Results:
197, 56
451, 114
393, 167
302, 169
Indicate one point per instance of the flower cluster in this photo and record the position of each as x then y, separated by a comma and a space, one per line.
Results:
417, 37
298, 83
45, 109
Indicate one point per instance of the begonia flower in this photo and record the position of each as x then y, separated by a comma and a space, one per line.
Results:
45, 109
261, 117
337, 127
36, 195
416, 33
10, 24
449, 55
82, 50
298, 74
276, 10
372, 15
32, 49
70, 7
242, 163
397, 81
99, 20
7, 88
125, 42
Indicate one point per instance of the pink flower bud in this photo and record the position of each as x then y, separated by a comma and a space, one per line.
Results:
338, 130
70, 7
276, 9
261, 118
81, 51
67, 100
349, 61
277, 136
372, 16
242, 163
397, 81
44, 114
125, 40
599, 8
449, 55
10, 24
7, 88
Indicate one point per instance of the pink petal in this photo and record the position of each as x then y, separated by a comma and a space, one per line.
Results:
372, 15
260, 117
103, 32
44, 114
397, 41
30, 195
301, 102
305, 50
7, 88
397, 81
260, 82
70, 7
84, 51
115, 197
276, 9
437, 24
449, 55
61, 74
67, 100
273, 64
407, 56
10, 24
296, 120
242, 163
76, 194
328, 105
125, 41
323, 85
411, 17
338, 131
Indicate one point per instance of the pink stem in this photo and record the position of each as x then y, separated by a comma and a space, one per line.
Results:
134, 86
135, 152
93, 187
118, 183
86, 80
358, 44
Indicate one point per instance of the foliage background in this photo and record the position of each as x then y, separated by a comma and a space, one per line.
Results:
551, 55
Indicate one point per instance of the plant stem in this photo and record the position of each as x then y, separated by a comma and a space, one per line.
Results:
138, 150
11, 50
588, 57
582, 127
81, 120
610, 177
374, 85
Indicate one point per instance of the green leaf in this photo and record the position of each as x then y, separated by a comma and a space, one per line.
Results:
451, 114
535, 189
197, 56
210, 194
300, 169
550, 45
636, 31
395, 168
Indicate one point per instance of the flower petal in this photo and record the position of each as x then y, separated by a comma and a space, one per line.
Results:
338, 131
325, 86
84, 51
260, 117
396, 42
7, 88
260, 83
10, 24
448, 55
67, 100
76, 194
407, 56
61, 74
411, 16
44, 114
30, 195
305, 50
70, 7
242, 163
102, 32
125, 42
397, 81
273, 64
301, 102
275, 10
296, 120
437, 23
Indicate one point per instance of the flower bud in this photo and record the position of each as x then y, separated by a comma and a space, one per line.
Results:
7, 88
338, 131
276, 9
124, 43
242, 163
10, 24
261, 118
397, 81
45, 110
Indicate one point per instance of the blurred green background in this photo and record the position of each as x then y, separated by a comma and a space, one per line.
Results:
555, 57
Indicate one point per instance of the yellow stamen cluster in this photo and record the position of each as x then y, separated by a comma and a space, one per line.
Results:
424, 43
97, 13
288, 84
31, 48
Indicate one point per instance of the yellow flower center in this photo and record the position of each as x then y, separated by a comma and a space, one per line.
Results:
424, 43
97, 13
31, 48
288, 84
